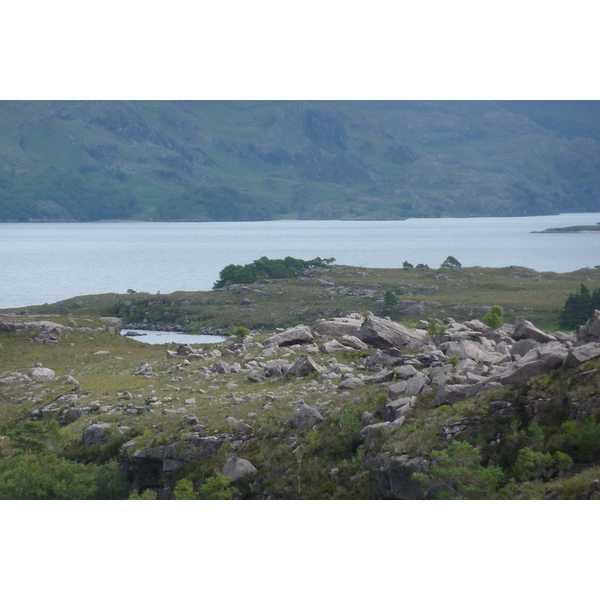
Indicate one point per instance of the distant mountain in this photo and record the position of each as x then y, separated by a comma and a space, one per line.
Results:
258, 160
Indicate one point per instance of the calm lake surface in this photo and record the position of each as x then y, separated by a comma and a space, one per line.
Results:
46, 262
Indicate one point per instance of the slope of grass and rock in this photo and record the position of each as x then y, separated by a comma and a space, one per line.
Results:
352, 406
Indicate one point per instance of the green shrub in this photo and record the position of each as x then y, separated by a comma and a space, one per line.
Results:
458, 474
48, 477
145, 495
531, 465
494, 318
34, 436
184, 490
436, 331
581, 441
216, 488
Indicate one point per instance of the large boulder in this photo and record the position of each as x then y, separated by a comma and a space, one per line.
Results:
581, 354
95, 435
393, 476
383, 333
449, 394
463, 349
527, 330
396, 408
522, 347
304, 366
235, 467
353, 342
39, 372
351, 383
304, 416
522, 371
113, 324
332, 346
590, 332
338, 327
553, 355
276, 367
301, 334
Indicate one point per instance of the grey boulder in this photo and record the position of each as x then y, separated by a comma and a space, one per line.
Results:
383, 333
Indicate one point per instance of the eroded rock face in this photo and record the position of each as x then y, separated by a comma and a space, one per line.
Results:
383, 334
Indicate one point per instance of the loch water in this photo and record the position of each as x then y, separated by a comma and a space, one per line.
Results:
46, 262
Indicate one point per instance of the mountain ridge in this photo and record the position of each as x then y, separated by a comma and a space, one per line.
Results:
262, 160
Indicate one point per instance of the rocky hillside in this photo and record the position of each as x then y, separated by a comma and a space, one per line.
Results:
351, 407
204, 161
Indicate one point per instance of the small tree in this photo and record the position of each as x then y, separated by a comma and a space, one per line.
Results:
436, 331
407, 265
389, 302
240, 332
451, 262
494, 318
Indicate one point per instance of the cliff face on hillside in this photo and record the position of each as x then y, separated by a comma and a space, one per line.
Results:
219, 160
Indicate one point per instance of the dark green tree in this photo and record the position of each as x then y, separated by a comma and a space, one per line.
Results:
579, 307
390, 302
451, 262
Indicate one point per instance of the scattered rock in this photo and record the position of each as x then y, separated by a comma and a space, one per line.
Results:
145, 369
235, 467
39, 372
304, 416
350, 383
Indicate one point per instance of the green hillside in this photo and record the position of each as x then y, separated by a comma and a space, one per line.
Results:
257, 160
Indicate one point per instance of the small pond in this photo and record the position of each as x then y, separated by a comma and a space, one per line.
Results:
170, 337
